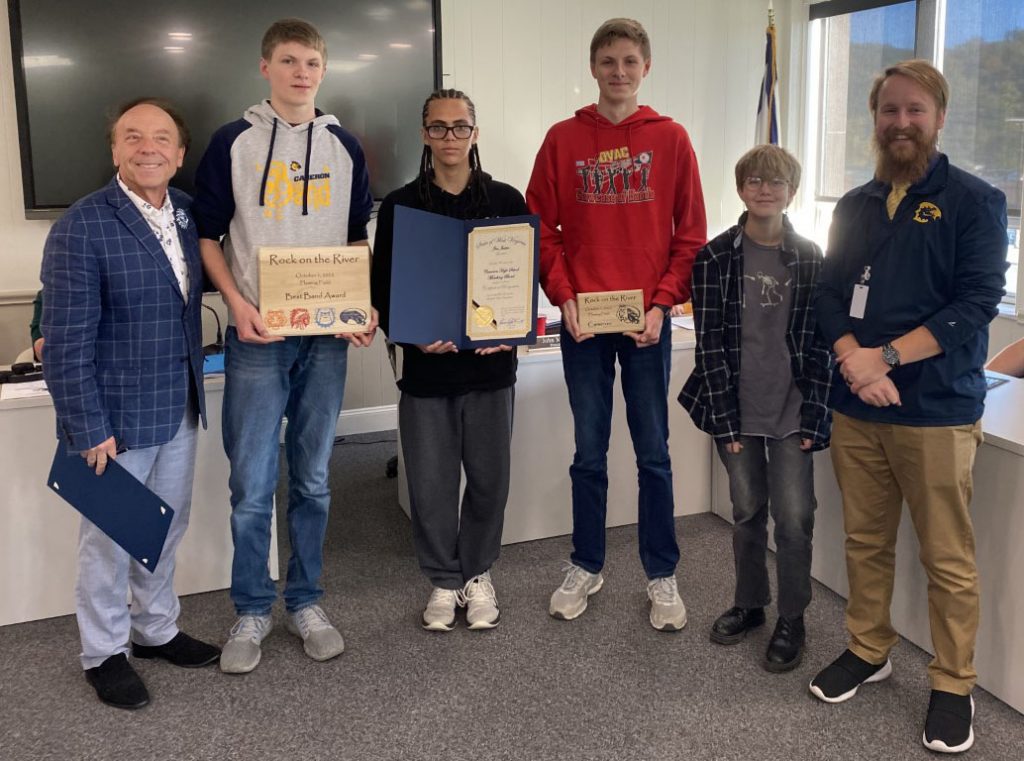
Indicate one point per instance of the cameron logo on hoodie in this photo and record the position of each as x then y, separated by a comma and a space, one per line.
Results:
614, 176
283, 190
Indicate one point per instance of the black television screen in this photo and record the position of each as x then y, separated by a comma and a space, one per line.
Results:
75, 62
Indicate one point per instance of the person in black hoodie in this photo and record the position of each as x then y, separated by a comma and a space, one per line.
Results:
455, 410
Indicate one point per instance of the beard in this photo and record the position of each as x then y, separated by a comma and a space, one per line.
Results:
903, 161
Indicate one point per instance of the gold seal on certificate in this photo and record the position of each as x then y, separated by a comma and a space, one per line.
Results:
500, 284
610, 311
315, 290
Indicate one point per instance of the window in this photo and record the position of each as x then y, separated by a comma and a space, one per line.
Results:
978, 45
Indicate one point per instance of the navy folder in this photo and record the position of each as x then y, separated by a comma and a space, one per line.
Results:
120, 506
428, 278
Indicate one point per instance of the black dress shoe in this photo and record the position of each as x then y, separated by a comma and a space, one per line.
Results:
786, 647
182, 651
117, 684
732, 626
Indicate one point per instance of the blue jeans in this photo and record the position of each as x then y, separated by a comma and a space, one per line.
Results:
772, 475
303, 378
590, 376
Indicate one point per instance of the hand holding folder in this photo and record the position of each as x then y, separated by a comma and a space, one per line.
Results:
120, 506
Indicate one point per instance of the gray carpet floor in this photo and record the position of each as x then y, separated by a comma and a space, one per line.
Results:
605, 686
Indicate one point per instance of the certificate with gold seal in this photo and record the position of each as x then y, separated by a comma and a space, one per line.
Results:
610, 311
315, 290
469, 281
500, 282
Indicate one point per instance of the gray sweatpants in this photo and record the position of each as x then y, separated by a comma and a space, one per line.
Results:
441, 437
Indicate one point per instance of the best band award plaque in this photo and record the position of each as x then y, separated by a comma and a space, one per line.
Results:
315, 290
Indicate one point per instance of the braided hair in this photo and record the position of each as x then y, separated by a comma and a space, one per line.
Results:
479, 205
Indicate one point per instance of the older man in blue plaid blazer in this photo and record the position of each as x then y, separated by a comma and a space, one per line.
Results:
122, 286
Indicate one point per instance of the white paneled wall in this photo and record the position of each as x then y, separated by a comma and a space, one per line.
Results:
526, 66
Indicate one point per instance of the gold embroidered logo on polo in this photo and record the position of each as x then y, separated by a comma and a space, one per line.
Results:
927, 212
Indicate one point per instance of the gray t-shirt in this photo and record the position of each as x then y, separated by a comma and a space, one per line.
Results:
769, 399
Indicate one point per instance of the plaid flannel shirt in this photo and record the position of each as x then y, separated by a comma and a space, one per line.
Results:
711, 393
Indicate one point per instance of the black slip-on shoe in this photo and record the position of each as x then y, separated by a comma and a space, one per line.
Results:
840, 679
183, 651
117, 684
733, 625
949, 727
786, 647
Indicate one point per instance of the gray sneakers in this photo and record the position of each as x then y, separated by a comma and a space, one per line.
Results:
668, 614
481, 602
439, 615
570, 599
320, 640
241, 653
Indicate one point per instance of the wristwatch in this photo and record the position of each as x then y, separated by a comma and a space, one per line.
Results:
664, 309
890, 355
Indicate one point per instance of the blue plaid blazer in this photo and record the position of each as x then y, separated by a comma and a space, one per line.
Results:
123, 349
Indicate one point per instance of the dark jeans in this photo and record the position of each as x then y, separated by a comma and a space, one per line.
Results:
590, 376
776, 475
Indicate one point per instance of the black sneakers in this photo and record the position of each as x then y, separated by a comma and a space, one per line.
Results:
732, 626
786, 647
117, 684
948, 728
840, 679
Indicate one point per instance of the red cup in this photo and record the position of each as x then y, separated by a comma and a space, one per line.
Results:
542, 325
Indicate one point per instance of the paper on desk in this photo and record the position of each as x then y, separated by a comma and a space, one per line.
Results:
23, 390
683, 321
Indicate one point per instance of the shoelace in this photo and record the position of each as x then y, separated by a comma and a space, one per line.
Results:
480, 587
312, 619
248, 627
446, 597
664, 591
575, 578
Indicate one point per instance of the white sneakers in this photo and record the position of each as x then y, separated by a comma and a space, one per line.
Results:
320, 639
479, 598
241, 653
570, 599
668, 614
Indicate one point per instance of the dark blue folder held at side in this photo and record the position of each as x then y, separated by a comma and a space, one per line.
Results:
120, 506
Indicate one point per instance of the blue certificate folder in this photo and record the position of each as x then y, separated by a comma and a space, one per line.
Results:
428, 278
120, 506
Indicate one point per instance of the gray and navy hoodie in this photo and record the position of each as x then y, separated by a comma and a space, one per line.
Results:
264, 182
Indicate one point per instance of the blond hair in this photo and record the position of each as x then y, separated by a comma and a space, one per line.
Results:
620, 29
292, 30
921, 72
768, 162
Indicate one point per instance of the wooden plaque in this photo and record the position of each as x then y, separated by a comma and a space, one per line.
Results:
315, 290
611, 311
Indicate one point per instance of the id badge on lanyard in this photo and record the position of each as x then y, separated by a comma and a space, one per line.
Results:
859, 302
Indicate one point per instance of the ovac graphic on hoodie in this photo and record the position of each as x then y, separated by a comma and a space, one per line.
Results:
621, 206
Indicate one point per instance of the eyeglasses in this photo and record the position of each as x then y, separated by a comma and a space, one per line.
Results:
755, 183
440, 131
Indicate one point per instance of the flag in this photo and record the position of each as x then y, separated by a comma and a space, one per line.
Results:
766, 129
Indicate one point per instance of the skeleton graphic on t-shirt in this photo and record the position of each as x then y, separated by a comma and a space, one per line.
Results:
770, 294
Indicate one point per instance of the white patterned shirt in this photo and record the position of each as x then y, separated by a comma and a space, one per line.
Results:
161, 222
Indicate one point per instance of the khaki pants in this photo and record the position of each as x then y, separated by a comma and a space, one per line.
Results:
877, 466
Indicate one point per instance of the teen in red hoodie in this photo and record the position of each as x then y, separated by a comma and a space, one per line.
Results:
618, 193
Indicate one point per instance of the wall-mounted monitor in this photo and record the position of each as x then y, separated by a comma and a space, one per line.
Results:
75, 62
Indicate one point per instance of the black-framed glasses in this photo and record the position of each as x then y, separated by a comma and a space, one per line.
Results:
755, 183
440, 131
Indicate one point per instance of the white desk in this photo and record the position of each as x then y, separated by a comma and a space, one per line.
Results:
539, 503
997, 510
39, 531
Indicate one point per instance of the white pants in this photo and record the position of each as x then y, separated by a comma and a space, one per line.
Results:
106, 572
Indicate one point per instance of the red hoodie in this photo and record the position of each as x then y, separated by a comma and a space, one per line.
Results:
621, 207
